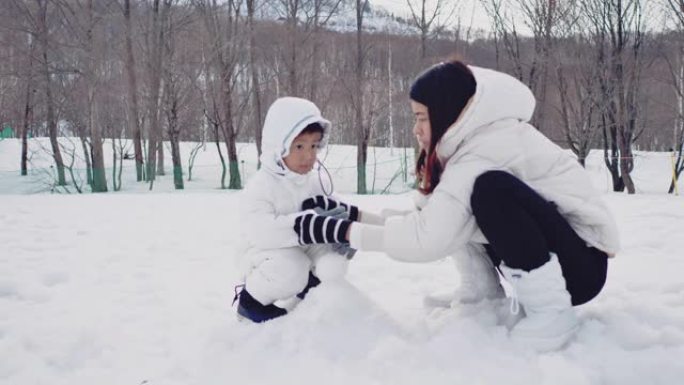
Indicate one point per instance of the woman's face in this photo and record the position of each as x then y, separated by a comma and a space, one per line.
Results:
421, 128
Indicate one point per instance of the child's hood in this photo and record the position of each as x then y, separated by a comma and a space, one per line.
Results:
286, 118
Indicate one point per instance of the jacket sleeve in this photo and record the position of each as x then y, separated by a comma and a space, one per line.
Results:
363, 216
444, 223
263, 227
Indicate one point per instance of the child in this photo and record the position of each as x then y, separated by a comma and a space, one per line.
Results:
276, 266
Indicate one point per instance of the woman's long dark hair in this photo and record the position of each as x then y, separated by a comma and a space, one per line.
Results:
428, 171
445, 90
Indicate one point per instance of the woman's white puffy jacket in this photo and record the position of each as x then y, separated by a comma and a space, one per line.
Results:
272, 198
492, 134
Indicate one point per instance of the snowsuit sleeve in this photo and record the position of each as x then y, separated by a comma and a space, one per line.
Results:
264, 228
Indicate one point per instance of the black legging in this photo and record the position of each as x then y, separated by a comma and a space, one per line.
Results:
522, 228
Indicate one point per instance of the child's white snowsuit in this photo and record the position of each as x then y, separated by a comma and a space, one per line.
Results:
275, 266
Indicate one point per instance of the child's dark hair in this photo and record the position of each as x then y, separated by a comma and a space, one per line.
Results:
445, 90
313, 128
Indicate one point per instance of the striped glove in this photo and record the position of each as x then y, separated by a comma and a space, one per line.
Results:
313, 228
326, 203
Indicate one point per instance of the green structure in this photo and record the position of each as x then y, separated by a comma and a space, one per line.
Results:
7, 132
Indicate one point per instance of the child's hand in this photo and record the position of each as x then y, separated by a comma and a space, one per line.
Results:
312, 228
326, 203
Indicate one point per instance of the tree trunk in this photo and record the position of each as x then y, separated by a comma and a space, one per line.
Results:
678, 126
217, 141
315, 50
292, 65
28, 112
116, 182
173, 128
49, 100
133, 109
678, 167
160, 153
174, 133
229, 134
153, 102
86, 156
389, 97
256, 86
362, 136
177, 164
97, 153
611, 154
626, 165
99, 176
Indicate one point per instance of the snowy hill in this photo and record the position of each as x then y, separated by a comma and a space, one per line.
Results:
136, 288
376, 18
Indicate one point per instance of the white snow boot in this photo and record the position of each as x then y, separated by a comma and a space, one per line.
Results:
550, 320
479, 280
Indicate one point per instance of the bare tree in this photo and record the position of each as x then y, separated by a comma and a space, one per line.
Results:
172, 105
72, 114
28, 106
81, 20
254, 71
363, 131
505, 32
618, 33
317, 19
43, 36
581, 102
222, 27
677, 73
99, 175
292, 9
425, 20
132, 88
179, 82
210, 112
160, 11
541, 17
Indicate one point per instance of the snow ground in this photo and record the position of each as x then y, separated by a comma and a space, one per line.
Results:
136, 288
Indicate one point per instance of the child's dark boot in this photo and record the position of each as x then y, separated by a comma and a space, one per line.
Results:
313, 282
253, 310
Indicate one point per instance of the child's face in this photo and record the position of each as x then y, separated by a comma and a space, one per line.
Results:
303, 152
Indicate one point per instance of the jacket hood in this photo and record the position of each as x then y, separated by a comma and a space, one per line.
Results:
498, 96
286, 118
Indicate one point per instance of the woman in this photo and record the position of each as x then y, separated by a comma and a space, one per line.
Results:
493, 185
